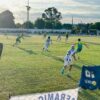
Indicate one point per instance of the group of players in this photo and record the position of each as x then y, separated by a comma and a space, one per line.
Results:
69, 57
71, 54
18, 39
48, 41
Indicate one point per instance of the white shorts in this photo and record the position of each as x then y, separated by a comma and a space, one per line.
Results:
46, 46
68, 61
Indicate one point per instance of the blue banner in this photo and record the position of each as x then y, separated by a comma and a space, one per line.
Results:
90, 77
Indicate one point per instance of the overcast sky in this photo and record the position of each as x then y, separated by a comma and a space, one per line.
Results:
82, 10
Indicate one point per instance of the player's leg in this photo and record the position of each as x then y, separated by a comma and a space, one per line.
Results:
43, 48
17, 42
57, 38
78, 51
46, 47
70, 63
1, 49
69, 71
60, 38
65, 66
74, 56
70, 68
63, 69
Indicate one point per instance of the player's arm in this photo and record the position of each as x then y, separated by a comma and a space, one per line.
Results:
74, 44
74, 56
86, 45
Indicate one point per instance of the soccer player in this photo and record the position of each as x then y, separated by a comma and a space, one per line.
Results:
68, 60
22, 36
59, 38
47, 44
67, 36
6, 35
45, 35
18, 40
79, 47
1, 49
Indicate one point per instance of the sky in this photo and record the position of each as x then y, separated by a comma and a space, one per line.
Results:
83, 11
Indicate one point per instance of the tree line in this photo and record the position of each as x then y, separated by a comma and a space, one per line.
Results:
50, 19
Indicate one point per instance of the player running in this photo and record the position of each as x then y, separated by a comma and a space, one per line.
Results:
1, 49
59, 38
45, 35
79, 48
47, 44
18, 40
68, 60
67, 36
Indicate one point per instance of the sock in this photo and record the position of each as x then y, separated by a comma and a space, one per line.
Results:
62, 71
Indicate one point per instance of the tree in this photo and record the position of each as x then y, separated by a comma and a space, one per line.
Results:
58, 25
7, 20
97, 24
67, 26
29, 25
18, 25
93, 25
52, 16
48, 25
40, 23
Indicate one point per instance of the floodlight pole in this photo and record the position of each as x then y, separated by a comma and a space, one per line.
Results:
28, 9
72, 21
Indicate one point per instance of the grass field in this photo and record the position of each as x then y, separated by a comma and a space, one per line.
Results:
27, 69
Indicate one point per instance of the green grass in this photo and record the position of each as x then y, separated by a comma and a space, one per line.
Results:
26, 69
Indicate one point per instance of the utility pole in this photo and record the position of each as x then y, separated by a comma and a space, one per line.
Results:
28, 10
72, 22
72, 25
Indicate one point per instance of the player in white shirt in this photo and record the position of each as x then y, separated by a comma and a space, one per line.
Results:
68, 59
59, 38
47, 44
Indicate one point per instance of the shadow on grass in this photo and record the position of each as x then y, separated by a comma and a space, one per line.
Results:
77, 66
70, 77
27, 51
83, 63
89, 96
86, 63
97, 93
93, 43
53, 57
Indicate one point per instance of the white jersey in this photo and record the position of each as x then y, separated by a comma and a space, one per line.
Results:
47, 44
68, 58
